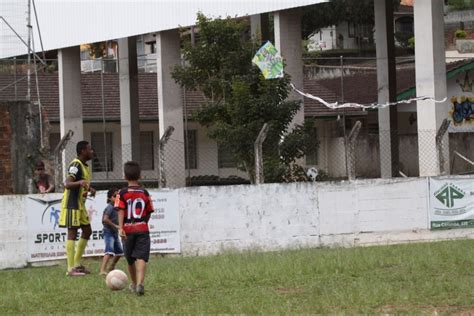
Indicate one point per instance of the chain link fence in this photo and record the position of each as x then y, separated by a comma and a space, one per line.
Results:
351, 143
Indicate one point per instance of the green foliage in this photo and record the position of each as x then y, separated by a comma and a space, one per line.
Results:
460, 5
240, 100
411, 42
97, 50
403, 38
460, 34
359, 12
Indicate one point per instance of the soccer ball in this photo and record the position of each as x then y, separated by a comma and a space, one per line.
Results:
116, 280
312, 173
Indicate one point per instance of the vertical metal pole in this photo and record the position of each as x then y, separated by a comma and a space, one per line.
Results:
39, 32
341, 58
186, 138
341, 62
392, 88
104, 128
14, 78
28, 89
38, 95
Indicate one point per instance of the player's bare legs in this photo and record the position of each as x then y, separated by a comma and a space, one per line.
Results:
71, 233
70, 252
103, 267
141, 269
132, 271
86, 232
115, 259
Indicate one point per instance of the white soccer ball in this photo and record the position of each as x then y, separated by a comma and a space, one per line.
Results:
116, 280
312, 173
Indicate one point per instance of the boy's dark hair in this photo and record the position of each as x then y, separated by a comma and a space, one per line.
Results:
81, 146
132, 171
110, 193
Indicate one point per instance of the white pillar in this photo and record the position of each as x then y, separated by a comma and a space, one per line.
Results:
170, 106
386, 77
430, 67
287, 25
129, 109
70, 102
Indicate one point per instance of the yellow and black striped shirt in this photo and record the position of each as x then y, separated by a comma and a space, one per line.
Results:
74, 198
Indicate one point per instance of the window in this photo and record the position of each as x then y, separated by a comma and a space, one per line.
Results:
101, 151
312, 153
366, 30
152, 47
54, 139
147, 161
224, 157
140, 46
85, 54
190, 149
351, 27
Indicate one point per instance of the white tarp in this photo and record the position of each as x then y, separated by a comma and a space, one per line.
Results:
47, 241
451, 203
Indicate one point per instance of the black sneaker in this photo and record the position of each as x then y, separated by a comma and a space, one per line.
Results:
140, 289
83, 269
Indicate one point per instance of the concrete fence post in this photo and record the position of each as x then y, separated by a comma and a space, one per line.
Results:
351, 159
161, 156
259, 177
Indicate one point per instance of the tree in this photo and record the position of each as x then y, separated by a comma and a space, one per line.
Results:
460, 5
358, 12
240, 100
96, 50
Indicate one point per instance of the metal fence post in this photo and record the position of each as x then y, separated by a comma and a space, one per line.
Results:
439, 145
58, 166
259, 178
457, 154
351, 139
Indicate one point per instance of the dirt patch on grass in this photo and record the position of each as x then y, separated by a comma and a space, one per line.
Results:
289, 290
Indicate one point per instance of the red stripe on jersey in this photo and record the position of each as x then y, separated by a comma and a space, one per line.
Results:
137, 204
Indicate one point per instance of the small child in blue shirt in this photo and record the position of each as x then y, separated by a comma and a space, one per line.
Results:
113, 246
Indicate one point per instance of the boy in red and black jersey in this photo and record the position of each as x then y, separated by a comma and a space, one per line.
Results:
135, 207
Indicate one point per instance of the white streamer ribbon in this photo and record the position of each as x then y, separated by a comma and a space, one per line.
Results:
336, 105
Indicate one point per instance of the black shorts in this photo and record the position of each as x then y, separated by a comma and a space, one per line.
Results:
137, 246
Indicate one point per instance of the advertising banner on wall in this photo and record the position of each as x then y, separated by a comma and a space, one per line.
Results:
451, 203
47, 241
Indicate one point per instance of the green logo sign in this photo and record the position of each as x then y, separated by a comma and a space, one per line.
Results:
448, 193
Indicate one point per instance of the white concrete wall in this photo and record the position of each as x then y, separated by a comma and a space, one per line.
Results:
277, 216
284, 216
348, 42
325, 39
13, 231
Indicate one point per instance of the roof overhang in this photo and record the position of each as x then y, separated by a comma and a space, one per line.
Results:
71, 23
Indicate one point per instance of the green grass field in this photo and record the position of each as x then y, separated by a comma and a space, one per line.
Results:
422, 278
